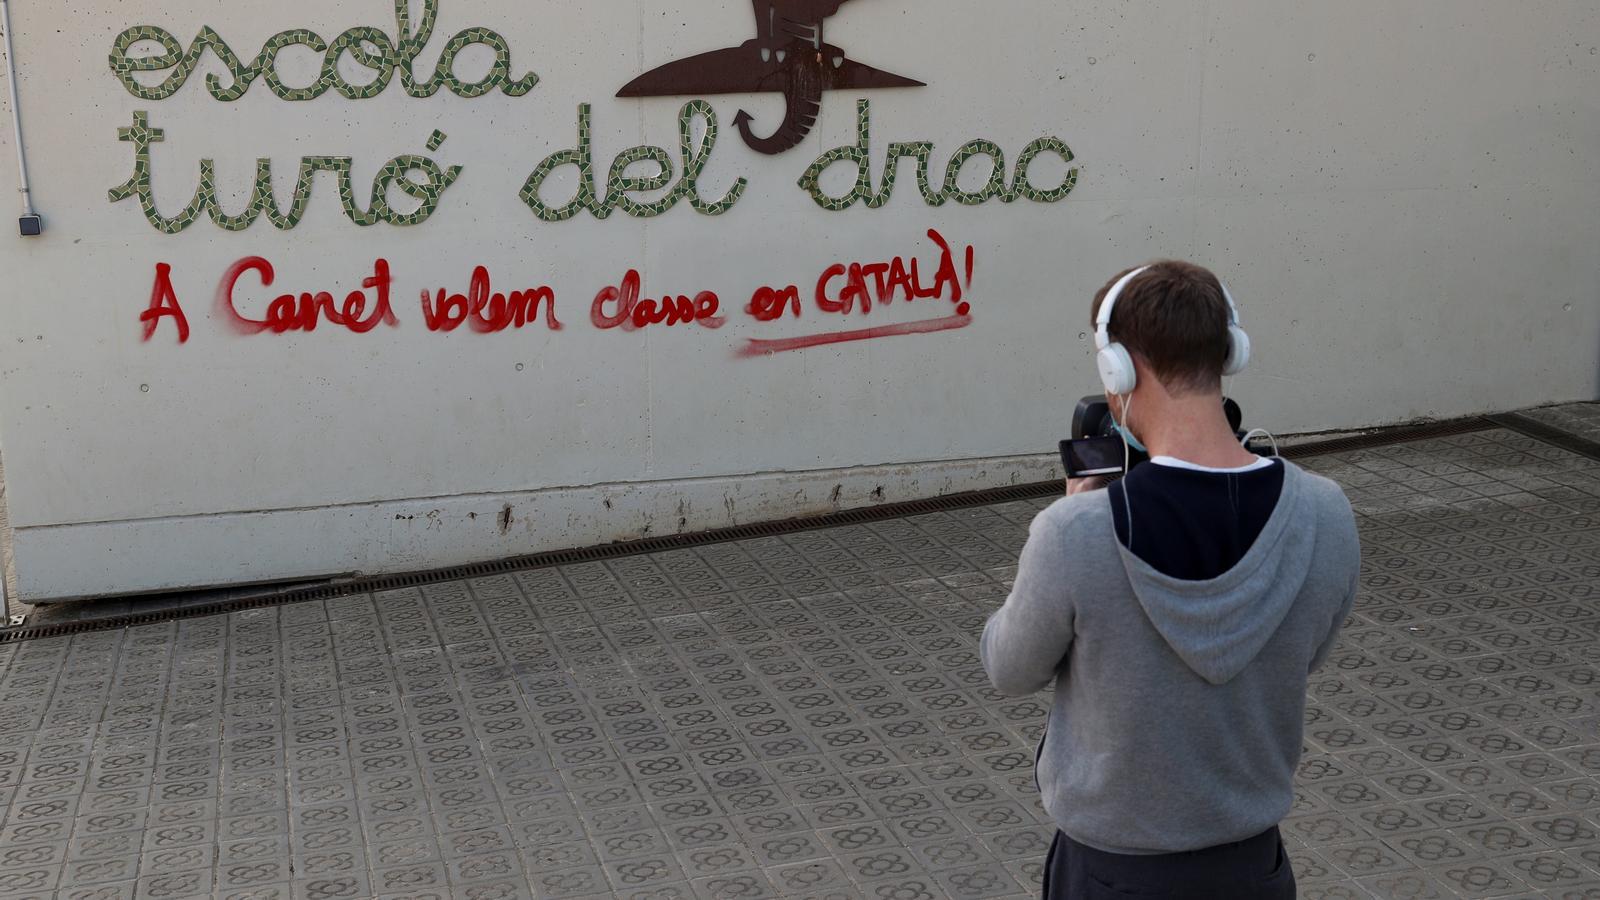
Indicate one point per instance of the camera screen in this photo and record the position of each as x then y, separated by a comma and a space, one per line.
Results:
1092, 456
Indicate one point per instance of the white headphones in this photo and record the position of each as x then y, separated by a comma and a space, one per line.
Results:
1116, 365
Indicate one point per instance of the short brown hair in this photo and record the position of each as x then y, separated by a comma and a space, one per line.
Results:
1175, 319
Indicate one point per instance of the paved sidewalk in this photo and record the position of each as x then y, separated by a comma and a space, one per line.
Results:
800, 716
1579, 419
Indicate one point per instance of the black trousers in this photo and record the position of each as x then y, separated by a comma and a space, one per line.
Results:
1252, 869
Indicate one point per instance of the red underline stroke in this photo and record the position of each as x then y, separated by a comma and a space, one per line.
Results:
755, 347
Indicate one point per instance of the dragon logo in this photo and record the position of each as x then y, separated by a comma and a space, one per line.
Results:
787, 55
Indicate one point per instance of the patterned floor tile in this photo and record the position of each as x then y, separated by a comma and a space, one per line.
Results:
801, 716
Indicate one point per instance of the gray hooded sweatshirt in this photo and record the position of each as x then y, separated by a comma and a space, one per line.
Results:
1179, 705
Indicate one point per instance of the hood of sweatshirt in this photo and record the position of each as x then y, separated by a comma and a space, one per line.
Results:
1219, 626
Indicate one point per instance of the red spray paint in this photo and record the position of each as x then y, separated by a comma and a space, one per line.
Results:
629, 312
885, 281
755, 347
486, 312
287, 312
163, 303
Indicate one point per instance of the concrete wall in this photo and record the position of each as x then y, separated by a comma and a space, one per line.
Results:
1402, 197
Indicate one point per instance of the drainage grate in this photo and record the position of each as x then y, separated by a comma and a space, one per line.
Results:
1382, 438
1400, 434
544, 560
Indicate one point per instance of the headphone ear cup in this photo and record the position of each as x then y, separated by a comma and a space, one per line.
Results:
1117, 373
1238, 351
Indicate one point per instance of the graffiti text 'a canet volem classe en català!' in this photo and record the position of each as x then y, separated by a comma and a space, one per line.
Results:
154, 65
245, 302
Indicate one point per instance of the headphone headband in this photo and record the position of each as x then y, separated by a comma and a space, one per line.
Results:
1233, 310
1102, 322
1116, 364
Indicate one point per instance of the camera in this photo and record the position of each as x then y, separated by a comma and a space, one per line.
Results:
1095, 448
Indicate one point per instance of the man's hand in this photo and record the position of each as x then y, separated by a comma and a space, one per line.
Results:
1092, 483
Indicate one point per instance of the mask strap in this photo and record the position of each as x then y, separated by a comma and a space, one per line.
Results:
1262, 431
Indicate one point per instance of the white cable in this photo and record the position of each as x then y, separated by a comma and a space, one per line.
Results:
1262, 431
16, 112
1127, 459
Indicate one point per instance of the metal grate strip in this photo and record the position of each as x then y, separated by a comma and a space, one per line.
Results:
1400, 434
545, 559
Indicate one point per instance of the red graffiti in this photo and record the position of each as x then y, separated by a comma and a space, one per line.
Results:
883, 281
769, 303
843, 287
631, 312
755, 347
287, 312
163, 303
486, 313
